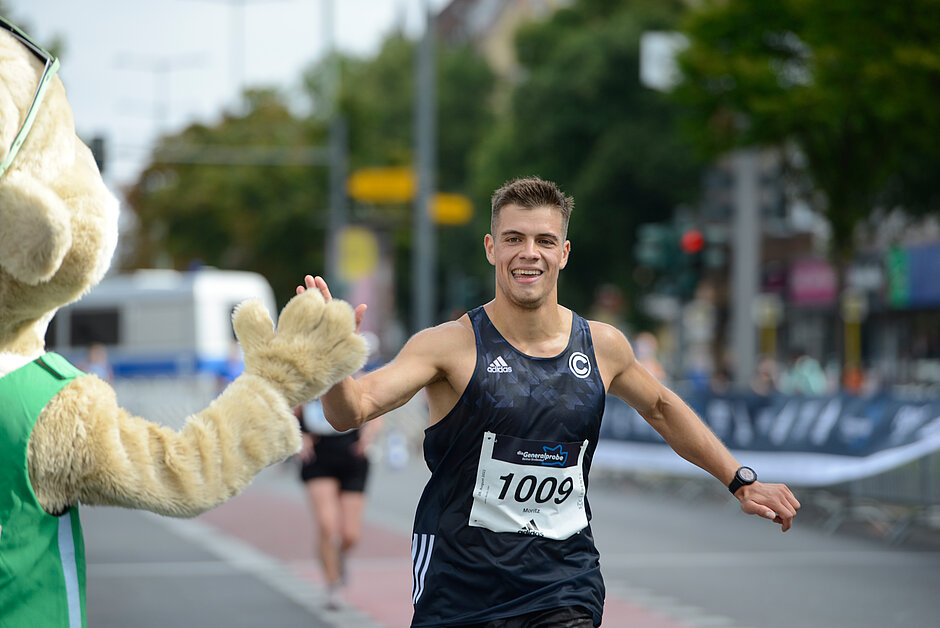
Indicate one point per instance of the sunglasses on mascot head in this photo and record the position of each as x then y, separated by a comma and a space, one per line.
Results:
51, 66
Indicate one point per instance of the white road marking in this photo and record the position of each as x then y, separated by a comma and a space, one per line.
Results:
246, 558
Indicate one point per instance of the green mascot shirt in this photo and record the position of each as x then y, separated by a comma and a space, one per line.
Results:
42, 557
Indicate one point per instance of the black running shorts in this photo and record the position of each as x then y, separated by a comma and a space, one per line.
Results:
335, 457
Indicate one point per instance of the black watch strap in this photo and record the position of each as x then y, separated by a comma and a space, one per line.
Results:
742, 477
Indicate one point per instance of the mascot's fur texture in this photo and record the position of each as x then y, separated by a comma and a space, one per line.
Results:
58, 231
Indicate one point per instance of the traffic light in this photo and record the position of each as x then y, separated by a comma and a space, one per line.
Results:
692, 242
678, 254
691, 263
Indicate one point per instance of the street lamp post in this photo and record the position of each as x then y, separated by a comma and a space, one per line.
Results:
745, 265
424, 251
338, 142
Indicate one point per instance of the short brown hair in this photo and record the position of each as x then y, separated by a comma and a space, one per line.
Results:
529, 193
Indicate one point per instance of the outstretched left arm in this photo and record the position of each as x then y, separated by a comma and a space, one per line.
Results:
681, 428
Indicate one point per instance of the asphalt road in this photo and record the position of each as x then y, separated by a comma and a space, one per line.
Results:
144, 573
699, 557
674, 555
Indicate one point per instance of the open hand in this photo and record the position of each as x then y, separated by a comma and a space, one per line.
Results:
313, 346
318, 283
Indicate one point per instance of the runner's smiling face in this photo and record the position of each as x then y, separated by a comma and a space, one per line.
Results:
528, 250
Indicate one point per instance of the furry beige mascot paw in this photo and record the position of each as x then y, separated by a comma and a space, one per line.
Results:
63, 437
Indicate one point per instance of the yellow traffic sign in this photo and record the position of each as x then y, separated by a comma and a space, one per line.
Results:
399, 184
451, 209
382, 185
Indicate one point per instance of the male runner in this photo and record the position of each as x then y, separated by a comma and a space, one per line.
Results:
516, 391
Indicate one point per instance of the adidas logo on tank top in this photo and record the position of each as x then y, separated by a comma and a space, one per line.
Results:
499, 366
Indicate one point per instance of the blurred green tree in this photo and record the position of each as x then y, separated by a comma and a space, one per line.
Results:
580, 117
207, 197
376, 97
273, 218
853, 85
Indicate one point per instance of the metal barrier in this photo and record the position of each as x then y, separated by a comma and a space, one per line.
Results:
893, 502
875, 459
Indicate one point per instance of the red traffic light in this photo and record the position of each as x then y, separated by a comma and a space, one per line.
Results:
692, 241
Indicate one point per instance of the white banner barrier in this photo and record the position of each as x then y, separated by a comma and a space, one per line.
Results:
810, 442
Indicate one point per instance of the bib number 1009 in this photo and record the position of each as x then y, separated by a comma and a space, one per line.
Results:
528, 486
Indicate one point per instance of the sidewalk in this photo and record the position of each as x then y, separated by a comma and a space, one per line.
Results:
248, 563
251, 562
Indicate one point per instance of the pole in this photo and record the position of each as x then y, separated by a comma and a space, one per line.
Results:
424, 253
745, 265
338, 156
338, 200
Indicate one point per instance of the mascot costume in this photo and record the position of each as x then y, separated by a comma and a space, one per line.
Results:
63, 437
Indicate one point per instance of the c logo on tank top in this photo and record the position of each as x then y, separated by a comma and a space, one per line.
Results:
579, 364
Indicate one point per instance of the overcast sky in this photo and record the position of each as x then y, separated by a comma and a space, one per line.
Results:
133, 68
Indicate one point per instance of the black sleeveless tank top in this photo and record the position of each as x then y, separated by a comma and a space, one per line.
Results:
502, 527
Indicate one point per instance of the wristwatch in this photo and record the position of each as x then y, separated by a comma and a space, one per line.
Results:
742, 477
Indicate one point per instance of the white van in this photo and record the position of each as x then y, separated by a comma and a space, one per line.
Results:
168, 334
159, 322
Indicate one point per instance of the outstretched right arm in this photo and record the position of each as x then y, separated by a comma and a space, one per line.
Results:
353, 401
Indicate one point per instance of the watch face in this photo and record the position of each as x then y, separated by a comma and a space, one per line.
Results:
746, 475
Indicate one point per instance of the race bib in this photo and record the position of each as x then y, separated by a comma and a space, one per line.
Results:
530, 487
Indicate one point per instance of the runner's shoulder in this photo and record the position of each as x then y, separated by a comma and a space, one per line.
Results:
606, 333
449, 338
610, 345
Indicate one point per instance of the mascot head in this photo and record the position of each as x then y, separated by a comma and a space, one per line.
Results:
58, 221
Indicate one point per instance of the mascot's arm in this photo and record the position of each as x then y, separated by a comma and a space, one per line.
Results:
86, 448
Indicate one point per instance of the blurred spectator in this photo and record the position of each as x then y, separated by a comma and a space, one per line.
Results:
764, 382
97, 363
334, 470
873, 381
720, 382
609, 308
646, 348
853, 380
805, 376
